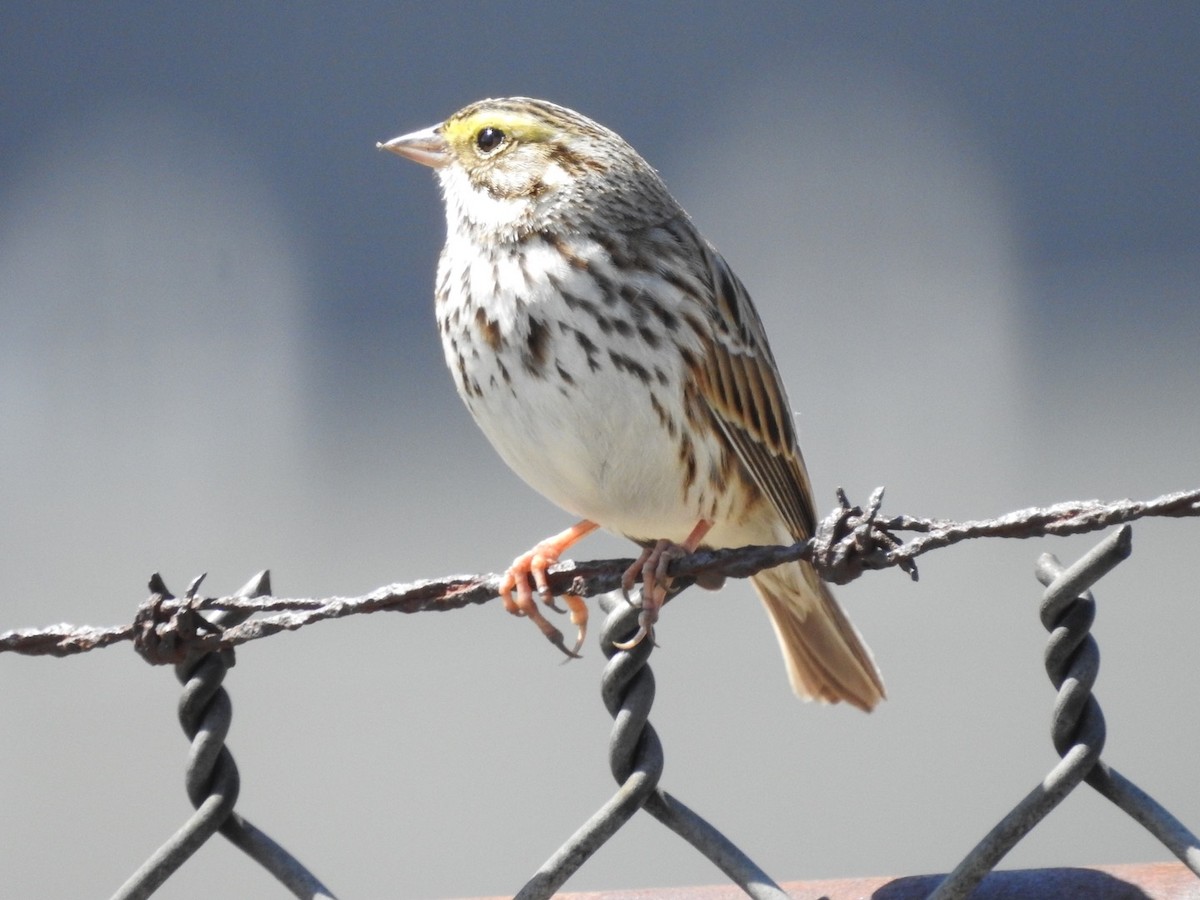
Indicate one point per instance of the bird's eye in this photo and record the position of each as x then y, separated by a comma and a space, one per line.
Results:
489, 138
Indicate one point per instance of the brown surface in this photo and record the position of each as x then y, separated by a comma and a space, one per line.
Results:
1160, 881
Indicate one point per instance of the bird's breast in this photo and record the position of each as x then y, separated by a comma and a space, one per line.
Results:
580, 387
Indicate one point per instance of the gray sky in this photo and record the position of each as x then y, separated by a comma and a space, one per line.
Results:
971, 231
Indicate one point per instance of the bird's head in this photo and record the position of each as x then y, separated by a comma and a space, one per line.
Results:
513, 166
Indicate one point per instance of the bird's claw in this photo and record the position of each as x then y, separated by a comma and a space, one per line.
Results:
579, 618
651, 569
533, 566
574, 653
554, 636
645, 630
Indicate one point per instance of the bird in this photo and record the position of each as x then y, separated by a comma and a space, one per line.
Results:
617, 364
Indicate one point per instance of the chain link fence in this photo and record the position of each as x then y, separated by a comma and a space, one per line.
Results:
636, 759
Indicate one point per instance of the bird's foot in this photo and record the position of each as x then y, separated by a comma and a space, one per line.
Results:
651, 568
534, 563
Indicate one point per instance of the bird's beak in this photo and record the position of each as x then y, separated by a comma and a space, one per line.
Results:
427, 147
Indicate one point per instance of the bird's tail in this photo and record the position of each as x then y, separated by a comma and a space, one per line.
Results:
826, 659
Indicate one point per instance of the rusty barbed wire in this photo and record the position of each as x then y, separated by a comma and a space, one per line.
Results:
849, 541
1078, 732
193, 633
212, 779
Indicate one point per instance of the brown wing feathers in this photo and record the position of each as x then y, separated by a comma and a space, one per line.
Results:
739, 381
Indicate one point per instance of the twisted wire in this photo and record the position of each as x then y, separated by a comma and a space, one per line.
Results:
1072, 661
635, 751
636, 762
1077, 710
1077, 730
211, 780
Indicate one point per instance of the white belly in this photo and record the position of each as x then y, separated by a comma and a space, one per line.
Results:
598, 454
572, 401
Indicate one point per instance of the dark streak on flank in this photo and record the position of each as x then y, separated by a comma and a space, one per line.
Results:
695, 323
489, 330
589, 348
575, 302
695, 408
623, 363
632, 294
687, 456
621, 250
680, 282
463, 377
649, 336
610, 292
537, 347
664, 417
668, 319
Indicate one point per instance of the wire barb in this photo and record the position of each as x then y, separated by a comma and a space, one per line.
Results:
212, 779
197, 634
848, 542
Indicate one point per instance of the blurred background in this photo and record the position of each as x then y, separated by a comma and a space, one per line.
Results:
973, 232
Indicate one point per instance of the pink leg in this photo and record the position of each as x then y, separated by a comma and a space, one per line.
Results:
651, 566
535, 562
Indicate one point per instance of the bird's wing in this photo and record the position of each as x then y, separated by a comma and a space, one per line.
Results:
739, 381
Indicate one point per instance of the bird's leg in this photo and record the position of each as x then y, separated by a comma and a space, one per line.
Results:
651, 566
535, 562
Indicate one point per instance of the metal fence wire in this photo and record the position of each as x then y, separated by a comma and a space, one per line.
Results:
212, 779
636, 755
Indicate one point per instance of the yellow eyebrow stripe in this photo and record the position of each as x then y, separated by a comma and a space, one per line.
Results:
515, 125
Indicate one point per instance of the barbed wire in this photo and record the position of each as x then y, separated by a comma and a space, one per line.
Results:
1078, 731
197, 634
849, 541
